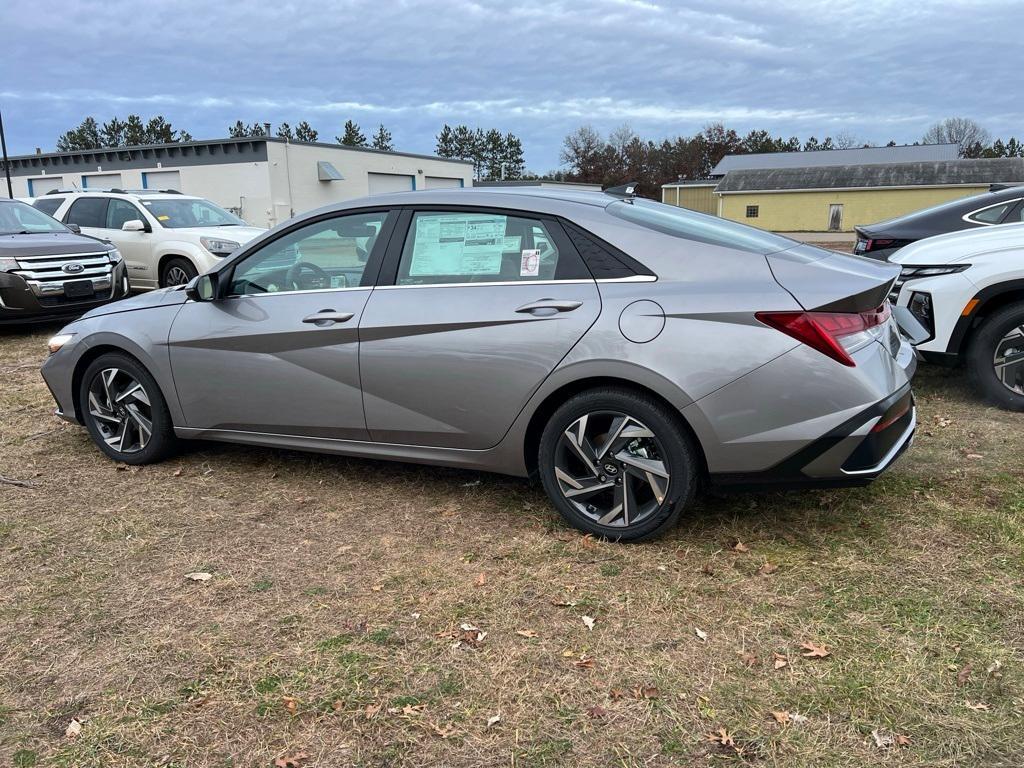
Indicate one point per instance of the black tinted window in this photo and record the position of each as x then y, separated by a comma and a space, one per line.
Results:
48, 205
120, 211
88, 212
690, 225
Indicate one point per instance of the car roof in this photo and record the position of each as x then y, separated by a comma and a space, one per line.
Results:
943, 213
136, 194
967, 242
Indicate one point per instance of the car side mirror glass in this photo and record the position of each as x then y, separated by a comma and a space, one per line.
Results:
133, 225
202, 288
74, 228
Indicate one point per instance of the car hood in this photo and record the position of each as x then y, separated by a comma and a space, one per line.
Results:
957, 246
240, 235
51, 243
829, 281
160, 297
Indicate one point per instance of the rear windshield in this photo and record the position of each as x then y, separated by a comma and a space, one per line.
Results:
690, 225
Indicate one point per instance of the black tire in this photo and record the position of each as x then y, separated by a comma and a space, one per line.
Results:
173, 269
981, 357
160, 443
670, 443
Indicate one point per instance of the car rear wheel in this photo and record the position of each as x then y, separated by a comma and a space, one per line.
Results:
617, 464
124, 411
177, 272
995, 360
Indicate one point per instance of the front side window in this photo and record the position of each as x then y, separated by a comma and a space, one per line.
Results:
48, 205
181, 214
120, 211
701, 227
88, 212
21, 218
453, 247
326, 254
991, 215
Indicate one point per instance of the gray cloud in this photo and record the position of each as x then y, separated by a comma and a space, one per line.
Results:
879, 70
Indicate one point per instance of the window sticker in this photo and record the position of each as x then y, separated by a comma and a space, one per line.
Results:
466, 244
529, 265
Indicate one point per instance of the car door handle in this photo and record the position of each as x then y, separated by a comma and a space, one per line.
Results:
549, 306
327, 317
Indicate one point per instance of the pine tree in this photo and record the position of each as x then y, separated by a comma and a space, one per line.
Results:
352, 136
134, 131
112, 133
284, 131
184, 137
85, 136
445, 142
257, 129
382, 139
515, 163
238, 131
304, 132
159, 131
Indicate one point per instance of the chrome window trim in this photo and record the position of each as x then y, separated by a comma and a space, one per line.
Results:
292, 293
630, 279
969, 217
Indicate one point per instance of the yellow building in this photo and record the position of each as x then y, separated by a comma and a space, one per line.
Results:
837, 198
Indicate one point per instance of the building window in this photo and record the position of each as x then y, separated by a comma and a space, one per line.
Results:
752, 211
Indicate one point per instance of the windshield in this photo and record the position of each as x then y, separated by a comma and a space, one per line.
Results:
690, 225
180, 214
20, 218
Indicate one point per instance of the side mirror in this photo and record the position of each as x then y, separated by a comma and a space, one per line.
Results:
134, 225
202, 288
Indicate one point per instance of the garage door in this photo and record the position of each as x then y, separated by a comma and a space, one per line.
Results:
441, 182
102, 181
389, 182
39, 187
161, 180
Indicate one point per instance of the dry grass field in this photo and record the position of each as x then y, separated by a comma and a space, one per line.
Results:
363, 613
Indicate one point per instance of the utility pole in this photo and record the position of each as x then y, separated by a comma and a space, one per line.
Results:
7, 166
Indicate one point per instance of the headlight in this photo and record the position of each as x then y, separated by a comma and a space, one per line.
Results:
218, 247
913, 273
58, 341
114, 255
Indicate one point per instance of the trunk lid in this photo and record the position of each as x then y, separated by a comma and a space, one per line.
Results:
827, 281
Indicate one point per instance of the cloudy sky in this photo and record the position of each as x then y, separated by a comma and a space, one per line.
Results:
878, 70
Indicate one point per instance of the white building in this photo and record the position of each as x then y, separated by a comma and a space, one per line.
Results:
264, 180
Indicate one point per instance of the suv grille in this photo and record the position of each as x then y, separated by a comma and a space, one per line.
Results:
46, 275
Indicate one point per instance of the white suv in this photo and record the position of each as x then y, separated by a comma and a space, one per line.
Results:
967, 290
166, 238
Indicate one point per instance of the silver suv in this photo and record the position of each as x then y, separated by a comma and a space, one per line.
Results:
621, 350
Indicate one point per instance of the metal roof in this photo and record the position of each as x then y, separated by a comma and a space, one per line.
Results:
941, 173
908, 153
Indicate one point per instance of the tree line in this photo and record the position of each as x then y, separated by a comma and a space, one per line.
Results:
494, 155
132, 131
622, 155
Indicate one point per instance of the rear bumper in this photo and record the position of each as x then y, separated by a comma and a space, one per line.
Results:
22, 303
852, 454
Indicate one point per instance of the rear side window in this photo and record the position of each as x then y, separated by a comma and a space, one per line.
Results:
464, 247
48, 205
699, 227
992, 215
88, 212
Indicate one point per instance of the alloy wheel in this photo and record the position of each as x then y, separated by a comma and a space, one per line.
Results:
176, 276
1008, 360
611, 467
121, 410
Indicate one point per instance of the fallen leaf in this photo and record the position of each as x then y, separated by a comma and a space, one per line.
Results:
290, 703
721, 737
410, 710
708, 569
371, 710
700, 633
442, 731
74, 728
377, 587
814, 651
767, 569
493, 720
526, 633
481, 579
597, 712
198, 576
749, 659
587, 663
780, 660
993, 669
589, 621
646, 692
739, 546
177, 472
295, 760
616, 693
902, 741
587, 541
980, 706
781, 716
964, 674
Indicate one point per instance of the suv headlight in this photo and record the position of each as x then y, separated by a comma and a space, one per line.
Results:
114, 255
217, 246
58, 341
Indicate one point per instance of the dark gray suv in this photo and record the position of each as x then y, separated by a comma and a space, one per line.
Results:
48, 271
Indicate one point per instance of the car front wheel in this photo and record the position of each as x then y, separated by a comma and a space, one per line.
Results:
124, 411
177, 272
995, 359
617, 464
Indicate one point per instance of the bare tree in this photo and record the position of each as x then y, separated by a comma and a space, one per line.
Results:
846, 140
580, 151
962, 131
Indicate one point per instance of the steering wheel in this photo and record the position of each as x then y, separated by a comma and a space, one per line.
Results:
295, 271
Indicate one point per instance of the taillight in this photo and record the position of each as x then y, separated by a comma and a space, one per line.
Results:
826, 331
